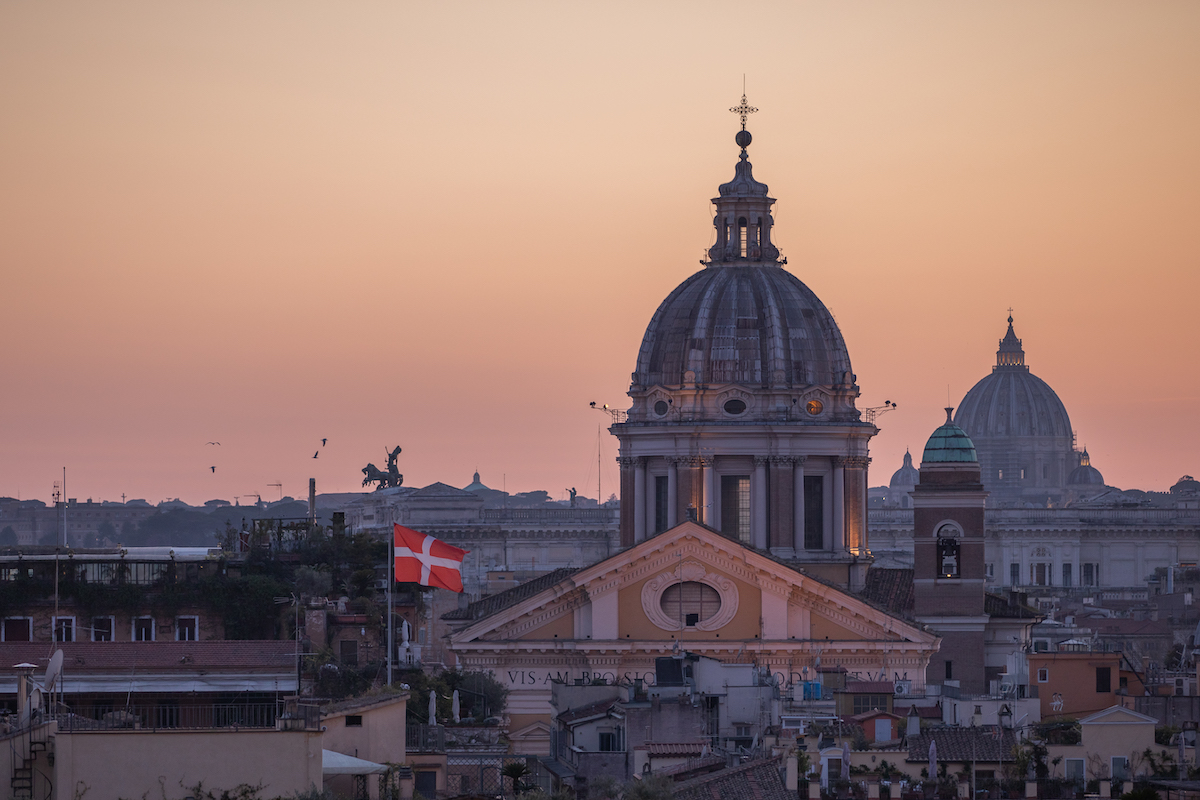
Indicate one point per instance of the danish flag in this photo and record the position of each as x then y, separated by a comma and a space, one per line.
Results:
422, 559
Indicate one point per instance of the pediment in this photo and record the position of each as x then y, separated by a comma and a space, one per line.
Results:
1117, 715
749, 584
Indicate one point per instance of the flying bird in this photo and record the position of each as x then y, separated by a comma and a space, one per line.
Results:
323, 441
214, 469
316, 454
218, 444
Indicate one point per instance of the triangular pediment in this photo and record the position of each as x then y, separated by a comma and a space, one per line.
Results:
1117, 715
627, 597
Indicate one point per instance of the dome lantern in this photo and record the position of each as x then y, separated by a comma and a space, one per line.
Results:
743, 218
1010, 353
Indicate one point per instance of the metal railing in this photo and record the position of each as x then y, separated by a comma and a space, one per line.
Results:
1062, 516
199, 717
420, 738
552, 515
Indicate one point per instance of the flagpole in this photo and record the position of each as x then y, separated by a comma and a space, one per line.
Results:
391, 585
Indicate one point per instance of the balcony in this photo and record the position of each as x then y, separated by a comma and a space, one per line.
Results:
222, 716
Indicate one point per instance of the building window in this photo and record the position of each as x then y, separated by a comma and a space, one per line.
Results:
18, 629
186, 629
1120, 768
1014, 574
949, 670
1066, 575
735, 507
102, 629
354, 720
1043, 675
660, 503
690, 602
1000, 474
1039, 574
868, 702
814, 512
64, 629
610, 741
143, 629
349, 652
741, 237
1091, 574
990, 570
1103, 680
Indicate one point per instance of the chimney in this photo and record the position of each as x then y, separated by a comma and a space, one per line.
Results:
312, 500
914, 722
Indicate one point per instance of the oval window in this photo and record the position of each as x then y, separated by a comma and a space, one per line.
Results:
734, 407
690, 602
660, 408
815, 407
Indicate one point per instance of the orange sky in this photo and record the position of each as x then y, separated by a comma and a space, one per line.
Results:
446, 225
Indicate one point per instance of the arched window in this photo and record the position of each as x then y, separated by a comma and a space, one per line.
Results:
742, 237
949, 552
690, 602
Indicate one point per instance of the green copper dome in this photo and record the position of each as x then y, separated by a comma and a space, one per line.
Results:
949, 444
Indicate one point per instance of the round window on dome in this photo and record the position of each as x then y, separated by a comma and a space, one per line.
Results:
735, 407
690, 602
814, 407
661, 408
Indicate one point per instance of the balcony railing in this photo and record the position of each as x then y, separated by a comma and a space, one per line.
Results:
557, 516
424, 738
201, 717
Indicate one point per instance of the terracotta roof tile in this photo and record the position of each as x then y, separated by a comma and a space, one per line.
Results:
498, 602
987, 743
756, 780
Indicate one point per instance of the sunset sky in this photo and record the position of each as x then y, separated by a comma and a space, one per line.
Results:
446, 225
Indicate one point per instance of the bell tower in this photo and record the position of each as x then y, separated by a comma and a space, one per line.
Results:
949, 573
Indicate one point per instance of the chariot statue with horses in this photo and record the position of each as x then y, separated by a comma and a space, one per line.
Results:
384, 480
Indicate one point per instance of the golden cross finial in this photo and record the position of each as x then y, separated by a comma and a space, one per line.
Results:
743, 111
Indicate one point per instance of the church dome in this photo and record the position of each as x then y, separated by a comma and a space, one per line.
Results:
1085, 474
743, 319
949, 444
907, 475
751, 324
1012, 401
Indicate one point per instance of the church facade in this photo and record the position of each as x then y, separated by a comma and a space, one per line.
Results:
689, 589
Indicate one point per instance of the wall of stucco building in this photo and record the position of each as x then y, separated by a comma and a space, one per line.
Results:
128, 763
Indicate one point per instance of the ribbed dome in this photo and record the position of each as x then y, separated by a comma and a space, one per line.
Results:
1085, 474
1012, 401
949, 445
754, 325
907, 475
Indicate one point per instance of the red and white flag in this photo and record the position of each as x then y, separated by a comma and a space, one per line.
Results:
422, 559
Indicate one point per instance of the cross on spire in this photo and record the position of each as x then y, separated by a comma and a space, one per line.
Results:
743, 111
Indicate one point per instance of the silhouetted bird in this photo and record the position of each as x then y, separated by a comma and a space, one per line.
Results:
214, 469
316, 454
323, 441
218, 444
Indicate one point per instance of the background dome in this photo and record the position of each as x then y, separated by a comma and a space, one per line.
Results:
754, 325
1085, 474
907, 475
1012, 401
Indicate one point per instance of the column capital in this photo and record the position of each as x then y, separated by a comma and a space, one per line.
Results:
707, 461
856, 462
783, 461
761, 461
673, 461
629, 462
688, 461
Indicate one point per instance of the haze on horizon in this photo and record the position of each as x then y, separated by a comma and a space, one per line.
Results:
446, 226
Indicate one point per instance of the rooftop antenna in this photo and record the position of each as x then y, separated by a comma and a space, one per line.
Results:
618, 417
278, 485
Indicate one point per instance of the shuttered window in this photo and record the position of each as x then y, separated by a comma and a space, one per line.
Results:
690, 602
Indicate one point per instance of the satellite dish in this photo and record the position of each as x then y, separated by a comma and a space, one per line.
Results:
53, 670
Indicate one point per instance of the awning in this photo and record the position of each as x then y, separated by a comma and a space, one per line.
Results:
341, 764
